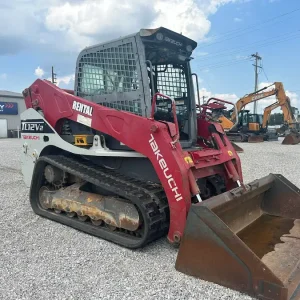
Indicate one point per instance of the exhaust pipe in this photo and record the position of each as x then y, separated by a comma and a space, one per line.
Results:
247, 240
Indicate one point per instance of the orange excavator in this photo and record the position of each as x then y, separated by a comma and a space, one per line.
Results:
290, 128
244, 126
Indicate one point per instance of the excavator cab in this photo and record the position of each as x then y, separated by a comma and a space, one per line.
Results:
248, 128
251, 125
250, 122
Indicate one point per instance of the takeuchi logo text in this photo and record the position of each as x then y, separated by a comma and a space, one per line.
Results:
162, 163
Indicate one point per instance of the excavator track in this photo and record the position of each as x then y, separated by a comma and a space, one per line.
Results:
149, 199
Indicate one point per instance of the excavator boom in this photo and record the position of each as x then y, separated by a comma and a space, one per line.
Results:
282, 101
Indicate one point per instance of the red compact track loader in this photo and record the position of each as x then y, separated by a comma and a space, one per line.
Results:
126, 157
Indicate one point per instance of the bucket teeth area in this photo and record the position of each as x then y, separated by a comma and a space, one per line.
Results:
249, 241
291, 139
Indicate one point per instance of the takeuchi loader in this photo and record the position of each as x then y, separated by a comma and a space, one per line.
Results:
125, 157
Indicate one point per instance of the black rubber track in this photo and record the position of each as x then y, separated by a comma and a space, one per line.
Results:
150, 200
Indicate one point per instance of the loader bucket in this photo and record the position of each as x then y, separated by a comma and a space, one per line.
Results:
247, 240
255, 139
291, 139
237, 148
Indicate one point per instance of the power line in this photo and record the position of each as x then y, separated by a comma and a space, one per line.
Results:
265, 74
249, 27
233, 61
263, 69
269, 41
254, 25
223, 65
221, 62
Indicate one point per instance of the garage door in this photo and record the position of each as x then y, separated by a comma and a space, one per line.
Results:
3, 128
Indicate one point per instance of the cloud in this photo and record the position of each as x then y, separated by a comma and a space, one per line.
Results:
191, 20
211, 6
237, 20
3, 76
227, 97
59, 29
88, 22
39, 72
69, 26
64, 81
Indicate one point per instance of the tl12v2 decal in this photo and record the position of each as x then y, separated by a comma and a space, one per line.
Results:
35, 126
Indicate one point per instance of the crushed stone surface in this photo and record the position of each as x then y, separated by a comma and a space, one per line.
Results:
41, 259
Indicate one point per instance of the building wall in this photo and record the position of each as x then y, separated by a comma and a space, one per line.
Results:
13, 121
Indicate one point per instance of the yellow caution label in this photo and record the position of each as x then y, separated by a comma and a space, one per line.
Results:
230, 153
188, 160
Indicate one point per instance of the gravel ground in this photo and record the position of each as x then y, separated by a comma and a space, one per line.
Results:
41, 259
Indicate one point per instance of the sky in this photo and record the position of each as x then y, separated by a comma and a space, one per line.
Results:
38, 34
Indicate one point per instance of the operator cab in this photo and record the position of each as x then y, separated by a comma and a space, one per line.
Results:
250, 122
168, 56
126, 73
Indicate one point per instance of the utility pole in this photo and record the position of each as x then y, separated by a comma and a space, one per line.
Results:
53, 76
203, 98
257, 58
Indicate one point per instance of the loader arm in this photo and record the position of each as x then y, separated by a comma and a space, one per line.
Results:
177, 170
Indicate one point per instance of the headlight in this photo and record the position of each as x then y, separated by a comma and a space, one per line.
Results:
189, 48
159, 36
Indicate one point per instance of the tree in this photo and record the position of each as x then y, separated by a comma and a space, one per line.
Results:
276, 119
